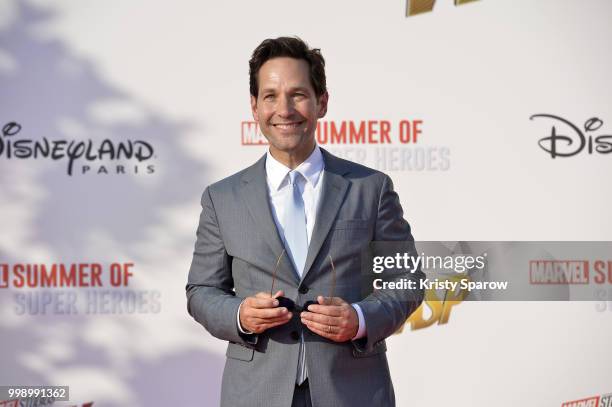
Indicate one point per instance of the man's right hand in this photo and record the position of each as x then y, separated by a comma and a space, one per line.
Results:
260, 312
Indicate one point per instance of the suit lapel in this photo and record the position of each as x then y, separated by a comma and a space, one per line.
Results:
333, 191
254, 194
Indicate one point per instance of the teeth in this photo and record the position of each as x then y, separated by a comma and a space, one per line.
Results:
287, 126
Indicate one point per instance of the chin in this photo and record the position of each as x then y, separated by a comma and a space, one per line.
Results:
287, 149
288, 143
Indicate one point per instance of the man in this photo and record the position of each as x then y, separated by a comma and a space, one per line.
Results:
297, 221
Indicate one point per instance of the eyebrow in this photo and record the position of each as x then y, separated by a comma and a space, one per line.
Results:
296, 89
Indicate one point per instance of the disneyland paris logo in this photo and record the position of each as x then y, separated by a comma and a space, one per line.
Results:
82, 156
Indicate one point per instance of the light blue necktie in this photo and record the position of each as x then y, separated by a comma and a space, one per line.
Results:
295, 223
296, 237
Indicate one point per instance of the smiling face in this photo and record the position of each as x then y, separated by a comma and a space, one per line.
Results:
287, 108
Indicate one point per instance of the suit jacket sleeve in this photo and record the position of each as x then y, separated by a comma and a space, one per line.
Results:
210, 296
385, 311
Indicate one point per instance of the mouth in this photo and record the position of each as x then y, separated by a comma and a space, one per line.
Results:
287, 126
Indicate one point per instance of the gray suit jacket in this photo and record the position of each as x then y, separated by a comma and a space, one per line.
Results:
235, 254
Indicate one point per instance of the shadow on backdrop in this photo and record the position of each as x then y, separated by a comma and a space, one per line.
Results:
52, 94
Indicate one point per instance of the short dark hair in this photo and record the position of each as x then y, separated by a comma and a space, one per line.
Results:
291, 47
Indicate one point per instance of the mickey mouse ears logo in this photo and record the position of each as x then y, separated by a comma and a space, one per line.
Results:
414, 7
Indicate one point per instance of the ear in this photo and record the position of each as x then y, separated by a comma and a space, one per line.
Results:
323, 99
254, 108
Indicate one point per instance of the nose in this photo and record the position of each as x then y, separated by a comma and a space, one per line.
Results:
284, 107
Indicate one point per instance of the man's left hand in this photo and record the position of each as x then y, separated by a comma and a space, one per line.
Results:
332, 318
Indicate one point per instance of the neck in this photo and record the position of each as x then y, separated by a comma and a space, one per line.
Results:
292, 159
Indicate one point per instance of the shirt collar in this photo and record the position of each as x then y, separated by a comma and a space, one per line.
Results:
311, 169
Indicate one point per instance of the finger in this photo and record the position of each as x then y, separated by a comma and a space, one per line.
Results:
261, 300
261, 294
272, 324
325, 331
266, 313
255, 324
323, 300
331, 310
322, 319
336, 301
330, 300
279, 293
263, 321
321, 333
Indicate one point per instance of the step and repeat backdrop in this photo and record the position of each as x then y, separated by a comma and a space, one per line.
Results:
492, 117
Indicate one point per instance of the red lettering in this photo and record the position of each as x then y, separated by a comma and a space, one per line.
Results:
115, 274
602, 273
409, 131
19, 280
67, 279
371, 132
127, 273
96, 272
385, 127
4, 277
404, 131
357, 136
48, 277
83, 276
338, 136
251, 135
31, 275
321, 138
590, 402
416, 129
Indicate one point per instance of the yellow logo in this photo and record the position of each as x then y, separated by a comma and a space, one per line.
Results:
440, 308
424, 6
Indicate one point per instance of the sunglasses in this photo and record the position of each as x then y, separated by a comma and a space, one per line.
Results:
288, 302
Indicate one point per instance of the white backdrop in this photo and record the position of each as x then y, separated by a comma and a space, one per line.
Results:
176, 75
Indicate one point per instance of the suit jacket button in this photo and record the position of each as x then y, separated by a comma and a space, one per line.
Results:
295, 335
303, 289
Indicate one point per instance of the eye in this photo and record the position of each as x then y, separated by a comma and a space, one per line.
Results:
268, 97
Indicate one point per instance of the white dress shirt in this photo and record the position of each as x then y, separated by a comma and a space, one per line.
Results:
277, 177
